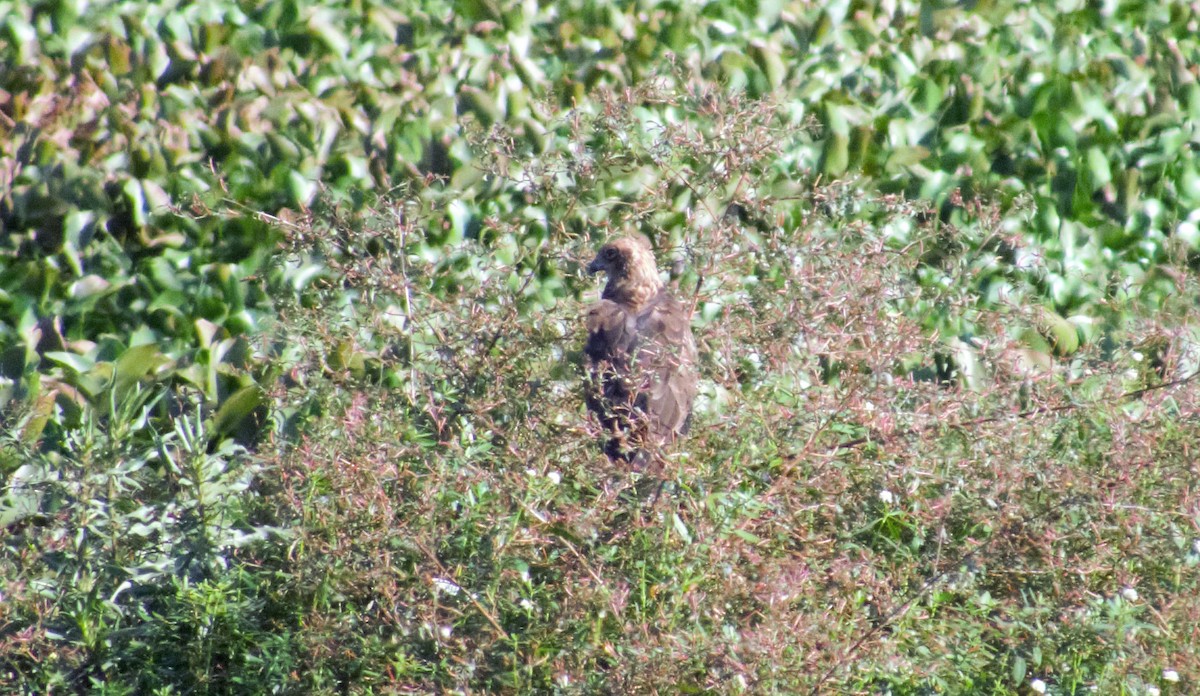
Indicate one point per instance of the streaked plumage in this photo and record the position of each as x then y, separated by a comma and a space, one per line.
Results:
641, 355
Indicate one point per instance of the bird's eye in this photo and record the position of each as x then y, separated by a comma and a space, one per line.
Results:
610, 253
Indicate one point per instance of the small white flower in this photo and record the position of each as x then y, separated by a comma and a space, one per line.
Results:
1129, 594
446, 631
1038, 685
448, 586
554, 477
1170, 675
1152, 691
887, 496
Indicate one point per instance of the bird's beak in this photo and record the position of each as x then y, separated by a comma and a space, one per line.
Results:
595, 266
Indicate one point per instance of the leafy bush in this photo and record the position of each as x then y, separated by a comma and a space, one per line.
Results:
850, 514
123, 549
289, 350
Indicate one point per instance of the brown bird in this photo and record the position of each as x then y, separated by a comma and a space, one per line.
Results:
640, 352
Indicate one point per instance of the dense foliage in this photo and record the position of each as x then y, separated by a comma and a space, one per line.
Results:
289, 331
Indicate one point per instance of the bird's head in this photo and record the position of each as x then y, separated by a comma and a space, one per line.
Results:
632, 274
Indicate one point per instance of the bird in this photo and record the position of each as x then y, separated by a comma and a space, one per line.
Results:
641, 355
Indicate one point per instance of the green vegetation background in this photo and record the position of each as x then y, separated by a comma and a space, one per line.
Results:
288, 346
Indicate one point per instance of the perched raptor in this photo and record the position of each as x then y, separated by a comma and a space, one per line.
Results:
641, 356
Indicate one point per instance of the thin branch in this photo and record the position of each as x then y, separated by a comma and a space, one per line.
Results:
1031, 413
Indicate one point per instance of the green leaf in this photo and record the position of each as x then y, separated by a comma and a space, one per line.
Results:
460, 221
79, 363
88, 286
206, 331
681, 528
78, 226
747, 536
835, 158
1097, 164
43, 409
1060, 333
237, 409
900, 157
1018, 670
768, 59
135, 363
23, 494
136, 200
836, 120
321, 23
301, 188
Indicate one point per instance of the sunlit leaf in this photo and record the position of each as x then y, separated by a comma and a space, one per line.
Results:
237, 410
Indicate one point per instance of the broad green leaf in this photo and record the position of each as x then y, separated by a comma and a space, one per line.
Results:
1061, 334
767, 57
136, 363
237, 409
1018, 670
835, 158
39, 416
206, 331
74, 361
1097, 163
88, 286
136, 200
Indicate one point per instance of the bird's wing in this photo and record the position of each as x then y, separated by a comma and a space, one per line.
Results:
666, 365
612, 331
611, 334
